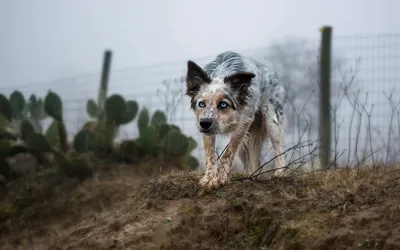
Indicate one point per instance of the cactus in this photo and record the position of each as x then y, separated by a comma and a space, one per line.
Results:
62, 132
92, 109
192, 162
5, 107
4, 122
129, 149
192, 144
26, 129
120, 112
73, 168
143, 120
39, 144
36, 108
164, 129
176, 144
90, 126
131, 111
85, 141
52, 134
18, 103
147, 140
115, 108
53, 106
158, 118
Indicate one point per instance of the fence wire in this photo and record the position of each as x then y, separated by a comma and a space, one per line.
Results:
365, 97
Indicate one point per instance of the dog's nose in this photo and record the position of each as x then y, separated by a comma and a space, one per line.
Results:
206, 123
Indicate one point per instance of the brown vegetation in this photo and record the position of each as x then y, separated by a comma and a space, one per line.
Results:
335, 209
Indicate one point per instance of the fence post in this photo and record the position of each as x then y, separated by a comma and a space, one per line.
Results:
104, 80
325, 97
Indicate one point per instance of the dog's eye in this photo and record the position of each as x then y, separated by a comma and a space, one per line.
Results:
202, 104
223, 105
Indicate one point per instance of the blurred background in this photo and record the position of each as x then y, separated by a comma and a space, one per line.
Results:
59, 46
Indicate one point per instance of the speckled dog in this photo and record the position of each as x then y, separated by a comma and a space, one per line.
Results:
239, 97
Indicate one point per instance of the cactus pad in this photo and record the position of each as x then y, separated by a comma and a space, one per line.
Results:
148, 140
176, 144
115, 108
85, 141
92, 109
53, 106
132, 108
158, 118
5, 107
143, 119
26, 129
192, 162
39, 143
17, 102
36, 108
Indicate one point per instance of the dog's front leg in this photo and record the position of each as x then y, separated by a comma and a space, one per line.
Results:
210, 178
227, 158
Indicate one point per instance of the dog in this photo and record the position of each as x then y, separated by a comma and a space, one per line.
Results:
238, 97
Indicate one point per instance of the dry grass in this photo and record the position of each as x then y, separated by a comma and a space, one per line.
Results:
322, 210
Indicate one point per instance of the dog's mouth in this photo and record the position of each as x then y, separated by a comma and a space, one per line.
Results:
207, 131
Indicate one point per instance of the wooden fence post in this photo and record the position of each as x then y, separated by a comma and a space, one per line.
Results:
104, 80
325, 97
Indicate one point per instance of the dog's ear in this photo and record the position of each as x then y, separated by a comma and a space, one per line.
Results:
196, 76
239, 80
240, 83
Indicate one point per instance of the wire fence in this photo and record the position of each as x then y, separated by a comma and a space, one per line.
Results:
365, 75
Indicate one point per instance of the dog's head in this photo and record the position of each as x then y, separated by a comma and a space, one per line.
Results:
216, 102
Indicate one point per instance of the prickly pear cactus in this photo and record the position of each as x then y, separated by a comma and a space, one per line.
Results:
120, 112
18, 103
158, 118
192, 162
143, 120
192, 144
72, 167
132, 108
85, 141
147, 140
92, 109
176, 144
39, 144
36, 108
5, 107
53, 106
115, 108
26, 129
52, 134
163, 130
56, 135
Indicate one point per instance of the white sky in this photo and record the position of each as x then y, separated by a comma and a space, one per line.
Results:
46, 39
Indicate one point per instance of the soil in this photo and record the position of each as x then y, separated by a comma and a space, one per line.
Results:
335, 209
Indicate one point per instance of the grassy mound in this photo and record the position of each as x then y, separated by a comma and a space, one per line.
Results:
336, 209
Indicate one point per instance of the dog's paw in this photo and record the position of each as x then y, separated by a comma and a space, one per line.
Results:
209, 181
282, 172
223, 178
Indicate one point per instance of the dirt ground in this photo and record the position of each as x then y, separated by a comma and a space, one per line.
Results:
117, 210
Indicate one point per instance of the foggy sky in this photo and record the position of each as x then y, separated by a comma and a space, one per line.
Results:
45, 39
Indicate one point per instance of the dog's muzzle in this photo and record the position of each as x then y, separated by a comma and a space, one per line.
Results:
206, 125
